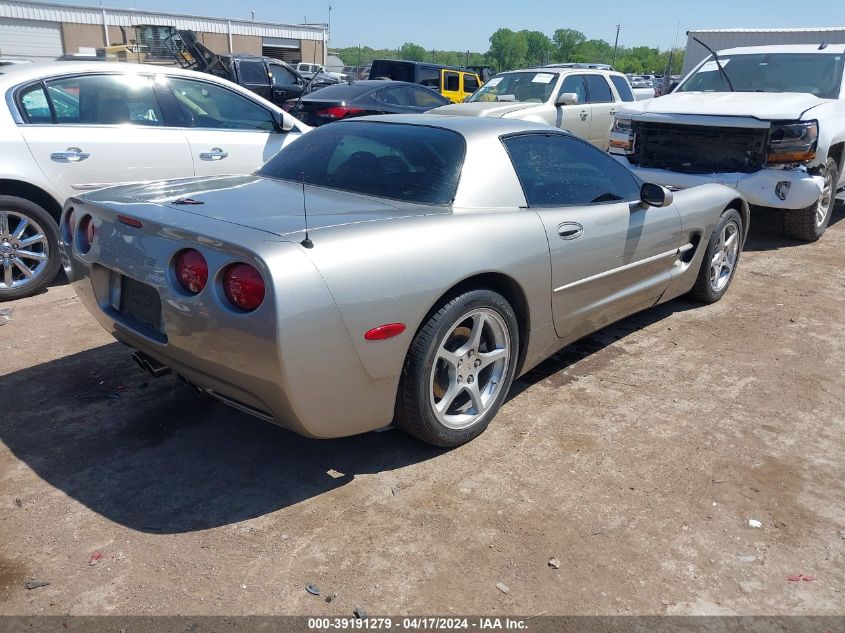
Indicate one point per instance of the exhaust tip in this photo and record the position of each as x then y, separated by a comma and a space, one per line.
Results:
150, 365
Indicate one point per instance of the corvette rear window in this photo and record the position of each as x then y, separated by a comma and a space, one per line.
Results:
413, 163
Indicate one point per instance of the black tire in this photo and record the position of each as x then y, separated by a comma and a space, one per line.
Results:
804, 224
414, 409
13, 208
706, 289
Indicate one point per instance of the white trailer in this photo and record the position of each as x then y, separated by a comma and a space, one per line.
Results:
720, 39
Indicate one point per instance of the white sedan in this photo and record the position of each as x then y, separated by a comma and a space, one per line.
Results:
71, 127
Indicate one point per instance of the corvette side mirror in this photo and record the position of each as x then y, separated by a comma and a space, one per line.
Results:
655, 195
567, 98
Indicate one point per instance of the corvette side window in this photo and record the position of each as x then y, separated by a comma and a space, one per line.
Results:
556, 170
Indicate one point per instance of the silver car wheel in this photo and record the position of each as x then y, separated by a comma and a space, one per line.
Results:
24, 250
825, 200
724, 259
469, 368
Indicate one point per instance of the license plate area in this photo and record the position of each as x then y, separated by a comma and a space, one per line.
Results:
140, 305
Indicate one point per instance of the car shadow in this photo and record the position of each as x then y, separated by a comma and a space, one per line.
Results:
156, 456
567, 365
766, 232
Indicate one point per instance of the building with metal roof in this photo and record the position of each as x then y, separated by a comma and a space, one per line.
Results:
41, 31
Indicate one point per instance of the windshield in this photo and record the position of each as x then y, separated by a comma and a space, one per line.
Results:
819, 74
523, 87
414, 163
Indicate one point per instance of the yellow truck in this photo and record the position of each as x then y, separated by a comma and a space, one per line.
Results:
453, 83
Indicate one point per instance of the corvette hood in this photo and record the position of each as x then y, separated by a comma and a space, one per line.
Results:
273, 206
768, 106
493, 109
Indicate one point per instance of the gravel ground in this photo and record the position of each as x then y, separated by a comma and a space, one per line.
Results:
636, 458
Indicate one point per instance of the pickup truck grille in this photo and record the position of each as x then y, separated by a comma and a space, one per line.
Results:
697, 149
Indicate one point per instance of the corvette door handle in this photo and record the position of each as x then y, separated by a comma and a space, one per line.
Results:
570, 230
215, 154
71, 155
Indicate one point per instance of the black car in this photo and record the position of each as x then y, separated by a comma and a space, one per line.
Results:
271, 78
267, 77
360, 98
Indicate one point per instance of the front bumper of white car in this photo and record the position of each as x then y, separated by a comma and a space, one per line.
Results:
793, 188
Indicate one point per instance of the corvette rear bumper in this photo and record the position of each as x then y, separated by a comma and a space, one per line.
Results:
291, 361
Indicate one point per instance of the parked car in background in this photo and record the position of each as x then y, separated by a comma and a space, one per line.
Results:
267, 77
443, 256
361, 98
582, 101
484, 72
766, 120
456, 84
70, 127
310, 70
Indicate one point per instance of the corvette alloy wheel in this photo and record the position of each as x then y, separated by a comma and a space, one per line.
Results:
724, 260
469, 367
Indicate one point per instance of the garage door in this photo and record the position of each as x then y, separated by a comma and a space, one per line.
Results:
29, 39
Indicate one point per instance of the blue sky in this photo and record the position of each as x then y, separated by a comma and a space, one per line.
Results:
467, 24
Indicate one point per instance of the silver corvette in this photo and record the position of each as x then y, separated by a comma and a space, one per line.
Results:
397, 269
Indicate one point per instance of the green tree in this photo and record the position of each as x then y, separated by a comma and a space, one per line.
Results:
539, 47
508, 49
594, 51
629, 64
412, 52
567, 42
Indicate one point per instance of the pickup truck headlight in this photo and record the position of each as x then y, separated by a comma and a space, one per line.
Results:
622, 135
622, 126
793, 142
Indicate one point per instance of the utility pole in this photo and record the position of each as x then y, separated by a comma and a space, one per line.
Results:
668, 74
616, 44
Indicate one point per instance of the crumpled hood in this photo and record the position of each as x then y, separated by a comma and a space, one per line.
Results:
780, 106
273, 206
493, 109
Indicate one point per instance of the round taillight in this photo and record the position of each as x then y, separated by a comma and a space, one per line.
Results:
85, 233
68, 226
191, 271
243, 286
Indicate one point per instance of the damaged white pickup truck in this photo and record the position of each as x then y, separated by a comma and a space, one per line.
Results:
766, 120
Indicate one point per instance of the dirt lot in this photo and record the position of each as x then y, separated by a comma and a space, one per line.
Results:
635, 457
